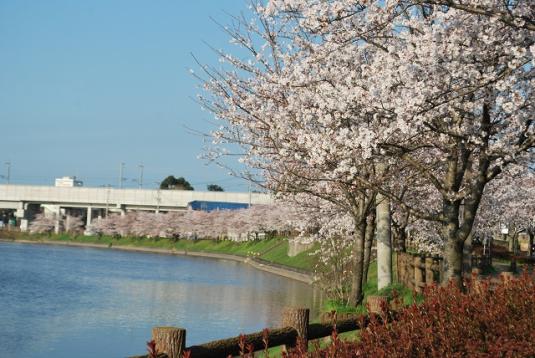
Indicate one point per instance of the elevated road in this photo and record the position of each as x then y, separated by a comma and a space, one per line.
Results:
23, 197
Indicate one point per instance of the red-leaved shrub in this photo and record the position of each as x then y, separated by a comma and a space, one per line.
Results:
495, 320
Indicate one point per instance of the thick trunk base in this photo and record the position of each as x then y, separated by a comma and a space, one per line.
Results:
453, 262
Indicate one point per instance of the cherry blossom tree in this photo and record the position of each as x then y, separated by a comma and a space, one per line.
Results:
106, 225
509, 202
42, 224
440, 93
217, 224
73, 224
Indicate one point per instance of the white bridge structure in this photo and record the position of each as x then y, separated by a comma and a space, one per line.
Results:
27, 200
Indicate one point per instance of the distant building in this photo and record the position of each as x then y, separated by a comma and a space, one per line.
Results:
68, 182
215, 205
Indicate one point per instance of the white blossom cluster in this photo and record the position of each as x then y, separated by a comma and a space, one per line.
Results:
509, 202
230, 224
43, 224
440, 93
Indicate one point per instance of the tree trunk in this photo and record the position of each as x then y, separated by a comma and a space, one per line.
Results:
467, 254
453, 251
453, 261
510, 242
370, 228
358, 251
399, 238
384, 242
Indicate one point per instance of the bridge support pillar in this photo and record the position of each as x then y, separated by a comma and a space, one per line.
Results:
121, 209
20, 213
24, 213
89, 216
57, 226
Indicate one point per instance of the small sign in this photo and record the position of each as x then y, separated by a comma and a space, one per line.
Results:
505, 230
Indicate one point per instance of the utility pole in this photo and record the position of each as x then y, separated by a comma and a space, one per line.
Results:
8, 176
141, 166
121, 167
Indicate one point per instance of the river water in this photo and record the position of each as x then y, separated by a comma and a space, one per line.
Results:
61, 302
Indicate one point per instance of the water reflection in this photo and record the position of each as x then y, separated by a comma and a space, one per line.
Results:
62, 301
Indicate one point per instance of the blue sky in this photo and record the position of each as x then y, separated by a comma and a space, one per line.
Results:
86, 85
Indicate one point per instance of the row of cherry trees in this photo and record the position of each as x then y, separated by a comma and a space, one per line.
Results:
43, 224
347, 107
241, 224
244, 224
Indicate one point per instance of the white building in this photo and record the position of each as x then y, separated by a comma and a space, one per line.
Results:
68, 182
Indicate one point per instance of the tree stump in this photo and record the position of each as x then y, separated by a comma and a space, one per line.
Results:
377, 304
297, 318
170, 340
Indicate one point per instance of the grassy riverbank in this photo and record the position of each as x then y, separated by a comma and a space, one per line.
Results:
271, 250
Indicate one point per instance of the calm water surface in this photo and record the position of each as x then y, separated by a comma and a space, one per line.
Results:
79, 302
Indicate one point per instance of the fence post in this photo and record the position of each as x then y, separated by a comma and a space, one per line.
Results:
402, 268
429, 275
170, 340
407, 278
297, 318
409, 270
418, 274
377, 304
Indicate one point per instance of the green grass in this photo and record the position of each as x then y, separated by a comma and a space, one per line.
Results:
323, 343
370, 288
279, 254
